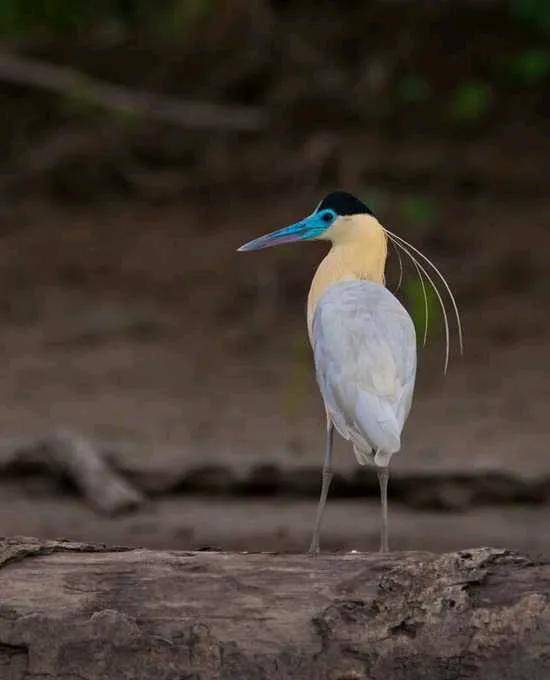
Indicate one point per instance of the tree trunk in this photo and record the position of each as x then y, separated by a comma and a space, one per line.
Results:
81, 612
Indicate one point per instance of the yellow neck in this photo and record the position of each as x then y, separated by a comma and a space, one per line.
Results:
359, 250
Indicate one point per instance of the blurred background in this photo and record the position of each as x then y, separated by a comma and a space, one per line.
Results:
143, 142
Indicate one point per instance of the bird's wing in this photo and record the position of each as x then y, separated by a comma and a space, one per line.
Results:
365, 359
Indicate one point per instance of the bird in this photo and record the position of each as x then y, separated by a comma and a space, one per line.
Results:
363, 339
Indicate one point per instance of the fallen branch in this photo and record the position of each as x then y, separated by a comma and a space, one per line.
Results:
73, 457
72, 610
187, 114
185, 472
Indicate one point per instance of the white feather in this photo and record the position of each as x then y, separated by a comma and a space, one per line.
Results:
364, 345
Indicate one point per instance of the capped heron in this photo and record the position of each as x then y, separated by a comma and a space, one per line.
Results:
363, 339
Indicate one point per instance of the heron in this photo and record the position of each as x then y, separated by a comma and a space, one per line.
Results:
363, 339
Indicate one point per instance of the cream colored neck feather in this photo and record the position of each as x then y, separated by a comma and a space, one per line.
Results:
359, 251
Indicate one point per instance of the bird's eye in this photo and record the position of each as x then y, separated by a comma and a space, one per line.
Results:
327, 217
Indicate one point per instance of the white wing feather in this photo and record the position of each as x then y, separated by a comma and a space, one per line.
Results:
364, 345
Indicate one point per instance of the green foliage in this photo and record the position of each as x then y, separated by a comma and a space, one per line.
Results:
470, 101
414, 89
81, 102
420, 210
531, 67
377, 198
533, 12
187, 13
55, 16
299, 381
414, 300
19, 17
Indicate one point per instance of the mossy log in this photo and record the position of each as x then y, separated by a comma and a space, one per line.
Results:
81, 612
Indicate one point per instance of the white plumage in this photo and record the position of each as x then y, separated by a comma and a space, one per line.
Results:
363, 339
364, 345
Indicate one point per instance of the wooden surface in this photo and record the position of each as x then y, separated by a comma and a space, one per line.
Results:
77, 611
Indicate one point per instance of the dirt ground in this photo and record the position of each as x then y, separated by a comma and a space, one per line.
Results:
140, 326
271, 524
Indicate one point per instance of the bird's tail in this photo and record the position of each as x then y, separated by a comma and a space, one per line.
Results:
362, 457
377, 458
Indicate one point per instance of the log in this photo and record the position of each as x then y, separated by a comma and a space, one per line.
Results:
81, 612
190, 115
115, 476
70, 456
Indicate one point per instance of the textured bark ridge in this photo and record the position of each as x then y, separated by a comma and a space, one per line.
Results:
83, 612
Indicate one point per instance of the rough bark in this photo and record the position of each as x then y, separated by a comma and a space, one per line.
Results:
77, 611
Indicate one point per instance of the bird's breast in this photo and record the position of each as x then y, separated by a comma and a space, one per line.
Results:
348, 262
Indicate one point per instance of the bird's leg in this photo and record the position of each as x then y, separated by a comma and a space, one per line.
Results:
327, 478
383, 476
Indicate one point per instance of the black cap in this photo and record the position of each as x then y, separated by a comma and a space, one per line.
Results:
344, 204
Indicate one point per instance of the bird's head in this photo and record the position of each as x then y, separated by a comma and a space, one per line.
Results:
337, 217
361, 249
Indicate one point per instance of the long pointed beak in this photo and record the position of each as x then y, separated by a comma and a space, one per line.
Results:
295, 232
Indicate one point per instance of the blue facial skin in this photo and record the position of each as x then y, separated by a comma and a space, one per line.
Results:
310, 228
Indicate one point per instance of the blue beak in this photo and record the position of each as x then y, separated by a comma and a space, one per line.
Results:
306, 229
